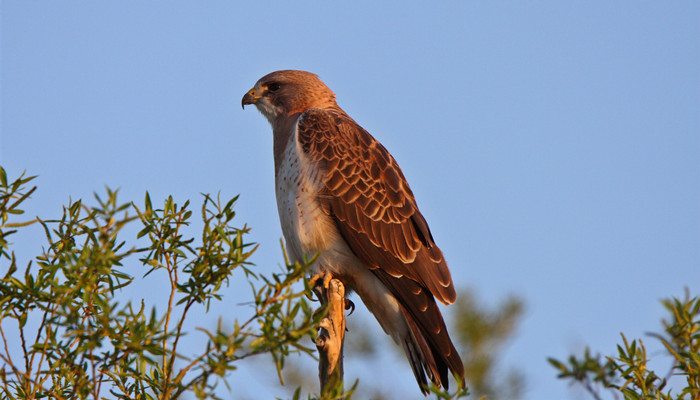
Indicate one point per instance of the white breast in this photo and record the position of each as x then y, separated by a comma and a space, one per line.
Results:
308, 230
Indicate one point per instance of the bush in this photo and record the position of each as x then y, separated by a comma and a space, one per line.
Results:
85, 341
628, 374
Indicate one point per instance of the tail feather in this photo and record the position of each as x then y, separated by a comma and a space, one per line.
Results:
414, 358
426, 342
425, 357
420, 356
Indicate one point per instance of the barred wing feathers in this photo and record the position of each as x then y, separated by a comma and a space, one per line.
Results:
375, 211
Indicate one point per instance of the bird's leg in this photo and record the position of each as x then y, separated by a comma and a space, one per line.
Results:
320, 287
319, 284
314, 279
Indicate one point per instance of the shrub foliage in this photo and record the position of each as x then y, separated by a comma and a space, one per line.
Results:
67, 333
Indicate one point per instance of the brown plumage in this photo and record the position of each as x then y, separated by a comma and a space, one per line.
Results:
341, 194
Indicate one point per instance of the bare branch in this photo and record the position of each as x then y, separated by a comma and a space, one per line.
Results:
331, 293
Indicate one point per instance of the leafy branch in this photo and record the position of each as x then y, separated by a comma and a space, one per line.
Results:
68, 333
628, 373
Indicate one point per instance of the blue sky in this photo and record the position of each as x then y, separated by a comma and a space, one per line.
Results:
554, 147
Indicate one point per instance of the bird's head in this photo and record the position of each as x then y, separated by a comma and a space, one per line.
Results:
287, 92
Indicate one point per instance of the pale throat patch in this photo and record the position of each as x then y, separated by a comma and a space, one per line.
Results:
268, 110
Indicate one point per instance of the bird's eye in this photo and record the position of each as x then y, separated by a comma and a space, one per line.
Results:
273, 87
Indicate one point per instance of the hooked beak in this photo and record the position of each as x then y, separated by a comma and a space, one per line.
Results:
249, 98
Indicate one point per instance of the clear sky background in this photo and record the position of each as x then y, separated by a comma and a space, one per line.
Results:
554, 147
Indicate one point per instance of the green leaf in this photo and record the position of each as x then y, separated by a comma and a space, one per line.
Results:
143, 232
148, 204
3, 177
22, 319
558, 365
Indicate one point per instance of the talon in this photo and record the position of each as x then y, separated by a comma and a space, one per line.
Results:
311, 297
349, 305
317, 287
313, 280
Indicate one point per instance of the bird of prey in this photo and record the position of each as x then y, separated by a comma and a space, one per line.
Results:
341, 195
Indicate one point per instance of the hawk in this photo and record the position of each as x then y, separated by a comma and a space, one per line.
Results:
341, 195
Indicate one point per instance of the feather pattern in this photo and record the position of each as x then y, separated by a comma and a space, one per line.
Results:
341, 195
375, 211
368, 193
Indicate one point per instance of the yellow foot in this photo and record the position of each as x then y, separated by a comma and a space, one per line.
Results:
324, 277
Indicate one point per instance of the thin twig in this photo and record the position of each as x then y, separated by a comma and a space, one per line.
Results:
171, 266
24, 351
166, 372
177, 336
7, 348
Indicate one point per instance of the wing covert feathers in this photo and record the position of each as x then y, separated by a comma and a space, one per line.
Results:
366, 190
